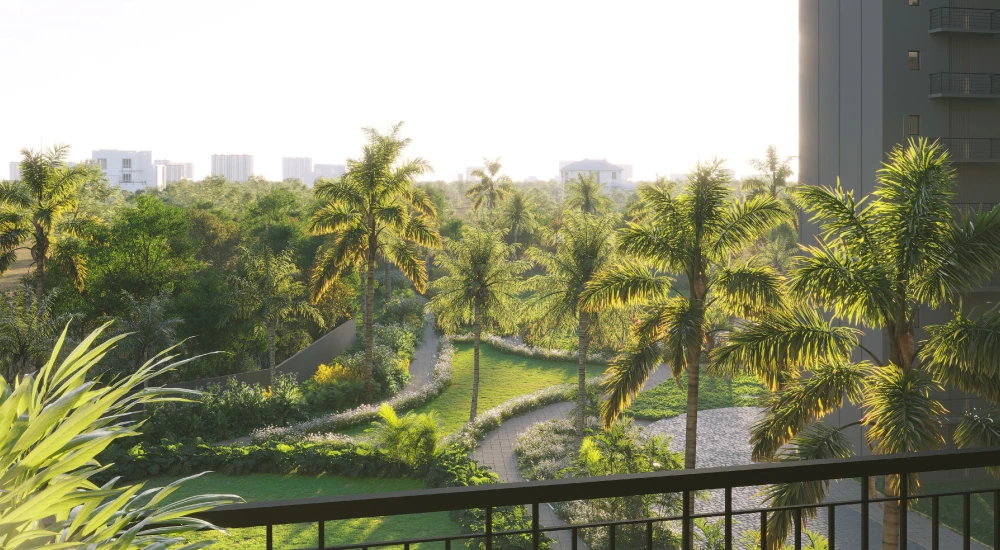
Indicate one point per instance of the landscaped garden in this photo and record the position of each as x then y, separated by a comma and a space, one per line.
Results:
669, 399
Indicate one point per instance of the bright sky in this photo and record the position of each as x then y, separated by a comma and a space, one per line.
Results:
654, 84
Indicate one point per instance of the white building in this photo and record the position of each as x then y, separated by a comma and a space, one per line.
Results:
129, 170
15, 171
233, 167
602, 170
469, 170
329, 171
300, 168
174, 171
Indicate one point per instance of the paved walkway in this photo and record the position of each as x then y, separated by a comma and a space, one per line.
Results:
425, 357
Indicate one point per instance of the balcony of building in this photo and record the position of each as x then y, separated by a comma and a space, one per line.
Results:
973, 149
965, 20
965, 85
849, 516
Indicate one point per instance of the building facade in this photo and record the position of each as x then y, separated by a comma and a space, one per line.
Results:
874, 73
15, 170
171, 172
329, 171
129, 170
233, 167
602, 170
300, 168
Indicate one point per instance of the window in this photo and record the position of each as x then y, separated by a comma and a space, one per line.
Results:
127, 177
914, 60
126, 164
614, 175
913, 125
103, 163
914, 2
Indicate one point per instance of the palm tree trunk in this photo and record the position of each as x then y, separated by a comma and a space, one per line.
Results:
583, 333
691, 429
39, 281
388, 279
890, 519
271, 330
369, 334
475, 366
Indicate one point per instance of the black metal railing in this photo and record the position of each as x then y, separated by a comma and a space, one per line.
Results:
684, 482
965, 85
965, 20
973, 149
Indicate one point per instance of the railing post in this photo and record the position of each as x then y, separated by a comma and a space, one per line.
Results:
322, 535
864, 512
611, 537
903, 494
996, 519
535, 534
573, 543
686, 542
649, 535
831, 526
763, 530
489, 528
966, 521
935, 522
798, 528
269, 537
729, 518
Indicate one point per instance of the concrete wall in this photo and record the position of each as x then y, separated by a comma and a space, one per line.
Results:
303, 364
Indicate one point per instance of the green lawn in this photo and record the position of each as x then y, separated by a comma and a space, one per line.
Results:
667, 400
951, 509
502, 376
266, 487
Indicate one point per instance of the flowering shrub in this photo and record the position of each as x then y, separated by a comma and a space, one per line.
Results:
545, 449
326, 374
403, 310
366, 414
513, 348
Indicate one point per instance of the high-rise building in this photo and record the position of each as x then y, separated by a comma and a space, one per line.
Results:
174, 171
329, 171
300, 168
469, 170
874, 73
233, 167
15, 170
128, 170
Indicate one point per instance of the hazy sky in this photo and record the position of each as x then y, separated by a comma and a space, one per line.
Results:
652, 83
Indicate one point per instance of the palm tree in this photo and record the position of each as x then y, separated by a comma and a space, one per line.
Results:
33, 214
874, 267
491, 188
518, 214
584, 248
482, 288
150, 328
773, 173
696, 233
267, 290
373, 210
28, 328
586, 194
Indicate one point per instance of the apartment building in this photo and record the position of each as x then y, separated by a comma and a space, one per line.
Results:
15, 170
129, 170
300, 168
330, 171
233, 167
876, 72
172, 171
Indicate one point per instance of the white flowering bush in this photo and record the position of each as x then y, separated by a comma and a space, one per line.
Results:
502, 344
545, 449
470, 435
322, 428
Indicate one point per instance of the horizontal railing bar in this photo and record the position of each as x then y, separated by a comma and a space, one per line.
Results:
561, 490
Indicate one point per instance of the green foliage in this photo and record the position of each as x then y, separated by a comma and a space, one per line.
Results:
28, 329
586, 195
390, 370
55, 423
491, 187
410, 439
670, 399
227, 412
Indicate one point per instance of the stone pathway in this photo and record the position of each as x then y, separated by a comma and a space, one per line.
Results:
424, 357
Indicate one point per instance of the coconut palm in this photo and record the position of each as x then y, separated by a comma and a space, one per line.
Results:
584, 248
481, 288
586, 194
773, 173
518, 214
266, 290
55, 424
373, 210
149, 325
28, 328
697, 233
35, 215
491, 188
878, 260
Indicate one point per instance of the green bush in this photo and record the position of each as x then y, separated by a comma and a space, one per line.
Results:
224, 413
332, 396
410, 439
390, 372
403, 310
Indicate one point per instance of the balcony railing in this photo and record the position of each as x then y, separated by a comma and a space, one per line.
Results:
973, 149
965, 85
965, 20
683, 482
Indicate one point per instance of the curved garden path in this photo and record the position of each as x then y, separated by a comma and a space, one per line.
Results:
425, 357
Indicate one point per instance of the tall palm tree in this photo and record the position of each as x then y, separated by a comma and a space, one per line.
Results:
34, 214
492, 186
150, 328
584, 248
698, 234
28, 329
586, 194
373, 210
877, 262
773, 173
266, 289
518, 214
482, 288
